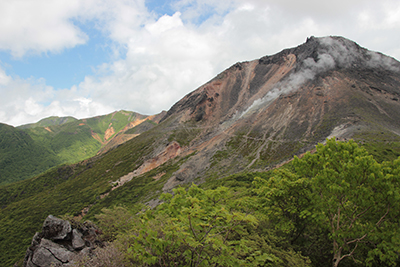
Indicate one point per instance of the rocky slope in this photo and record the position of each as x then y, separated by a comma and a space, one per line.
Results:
257, 114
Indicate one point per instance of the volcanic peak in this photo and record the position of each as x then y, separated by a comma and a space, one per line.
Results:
261, 81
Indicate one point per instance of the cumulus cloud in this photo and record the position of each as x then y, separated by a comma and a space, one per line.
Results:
159, 58
39, 26
29, 100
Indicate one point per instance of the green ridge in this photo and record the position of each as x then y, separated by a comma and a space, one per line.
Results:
21, 156
31, 149
50, 121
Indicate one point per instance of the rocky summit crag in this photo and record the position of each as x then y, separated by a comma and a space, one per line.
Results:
253, 116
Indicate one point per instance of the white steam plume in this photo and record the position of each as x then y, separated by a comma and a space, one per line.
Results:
332, 53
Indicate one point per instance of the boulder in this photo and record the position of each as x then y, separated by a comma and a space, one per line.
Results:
60, 243
55, 228
44, 258
58, 252
77, 241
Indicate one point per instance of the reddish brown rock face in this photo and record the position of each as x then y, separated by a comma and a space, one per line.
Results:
109, 132
265, 111
258, 114
171, 151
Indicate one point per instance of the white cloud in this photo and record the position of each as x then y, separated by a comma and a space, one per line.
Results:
4, 78
165, 23
43, 26
164, 58
30, 100
39, 26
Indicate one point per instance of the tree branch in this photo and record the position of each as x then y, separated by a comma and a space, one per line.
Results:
191, 227
351, 242
383, 216
358, 216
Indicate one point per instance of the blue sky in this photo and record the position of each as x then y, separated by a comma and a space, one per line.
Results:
84, 58
61, 69
70, 66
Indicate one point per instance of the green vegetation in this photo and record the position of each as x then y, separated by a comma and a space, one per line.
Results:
117, 120
336, 204
21, 157
272, 150
71, 142
193, 227
46, 122
24, 205
185, 134
343, 192
31, 149
276, 152
383, 151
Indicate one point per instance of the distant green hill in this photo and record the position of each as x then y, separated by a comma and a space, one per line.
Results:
50, 121
31, 149
22, 157
70, 142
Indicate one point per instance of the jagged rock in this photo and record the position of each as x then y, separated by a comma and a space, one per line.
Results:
59, 252
55, 228
59, 243
77, 241
43, 257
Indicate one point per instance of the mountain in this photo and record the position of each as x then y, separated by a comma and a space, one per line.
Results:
132, 130
31, 149
253, 116
50, 121
260, 113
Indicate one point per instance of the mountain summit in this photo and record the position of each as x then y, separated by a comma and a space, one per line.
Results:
253, 116
271, 76
262, 112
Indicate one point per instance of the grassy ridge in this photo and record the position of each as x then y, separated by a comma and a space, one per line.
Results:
46, 122
29, 150
21, 156
117, 120
70, 142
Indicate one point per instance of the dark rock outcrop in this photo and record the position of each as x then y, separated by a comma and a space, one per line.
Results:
60, 243
55, 228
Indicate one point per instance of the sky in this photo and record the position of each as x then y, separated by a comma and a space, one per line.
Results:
84, 58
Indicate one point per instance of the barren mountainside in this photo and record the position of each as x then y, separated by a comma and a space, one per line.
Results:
257, 114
